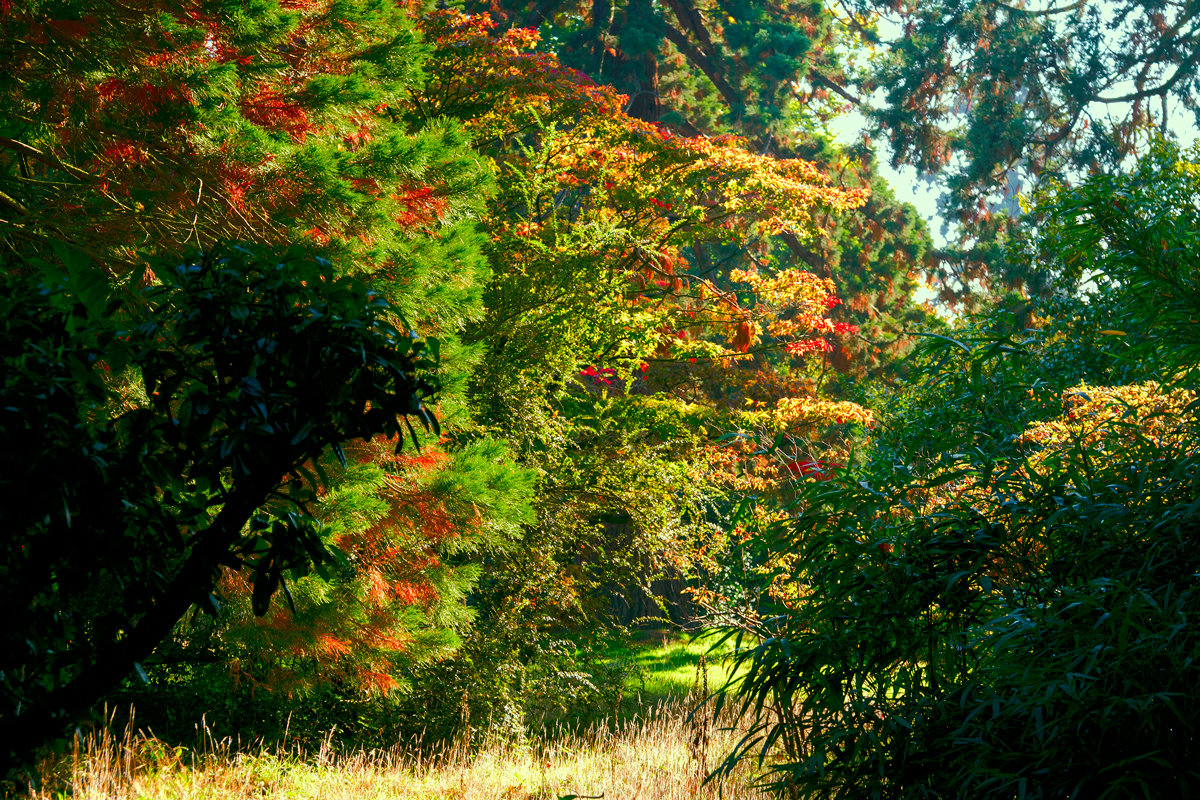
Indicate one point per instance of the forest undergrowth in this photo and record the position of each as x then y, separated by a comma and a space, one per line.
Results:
662, 756
658, 745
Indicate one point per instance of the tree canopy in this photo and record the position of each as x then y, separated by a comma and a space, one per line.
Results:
995, 98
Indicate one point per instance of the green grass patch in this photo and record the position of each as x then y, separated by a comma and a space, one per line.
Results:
664, 666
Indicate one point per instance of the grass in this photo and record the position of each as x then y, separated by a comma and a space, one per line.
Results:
665, 756
654, 748
664, 665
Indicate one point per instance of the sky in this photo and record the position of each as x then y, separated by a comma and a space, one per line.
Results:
908, 186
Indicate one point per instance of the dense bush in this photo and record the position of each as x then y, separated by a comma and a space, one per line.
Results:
137, 485
1002, 601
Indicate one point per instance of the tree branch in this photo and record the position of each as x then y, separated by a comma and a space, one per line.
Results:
690, 19
13, 204
113, 663
694, 54
804, 254
541, 11
45, 158
829, 83
1184, 70
1078, 4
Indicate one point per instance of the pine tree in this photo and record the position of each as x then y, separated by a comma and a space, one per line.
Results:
151, 129
134, 136
997, 98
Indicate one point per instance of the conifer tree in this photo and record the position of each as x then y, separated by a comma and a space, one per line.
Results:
412, 527
135, 135
997, 97
153, 128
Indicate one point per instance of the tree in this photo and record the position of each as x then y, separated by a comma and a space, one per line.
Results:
136, 134
617, 348
999, 97
698, 68
601, 277
773, 73
124, 500
991, 94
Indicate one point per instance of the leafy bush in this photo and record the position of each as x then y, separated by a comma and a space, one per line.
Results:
1002, 601
154, 443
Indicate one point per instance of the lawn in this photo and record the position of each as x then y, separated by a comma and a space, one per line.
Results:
664, 666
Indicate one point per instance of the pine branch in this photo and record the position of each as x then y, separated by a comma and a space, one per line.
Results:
45, 158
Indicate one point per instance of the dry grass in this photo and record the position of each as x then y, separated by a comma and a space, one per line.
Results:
663, 757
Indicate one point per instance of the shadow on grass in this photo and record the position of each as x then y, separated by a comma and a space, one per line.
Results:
664, 667
657, 668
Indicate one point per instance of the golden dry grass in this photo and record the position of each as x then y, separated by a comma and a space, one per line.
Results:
665, 756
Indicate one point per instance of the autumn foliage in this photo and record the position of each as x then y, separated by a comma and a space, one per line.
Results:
604, 296
167, 127
584, 180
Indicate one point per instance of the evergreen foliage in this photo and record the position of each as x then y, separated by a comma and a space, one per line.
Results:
150, 129
998, 97
126, 495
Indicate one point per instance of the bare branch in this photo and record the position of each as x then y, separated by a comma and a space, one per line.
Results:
829, 83
13, 204
693, 53
690, 19
1184, 70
